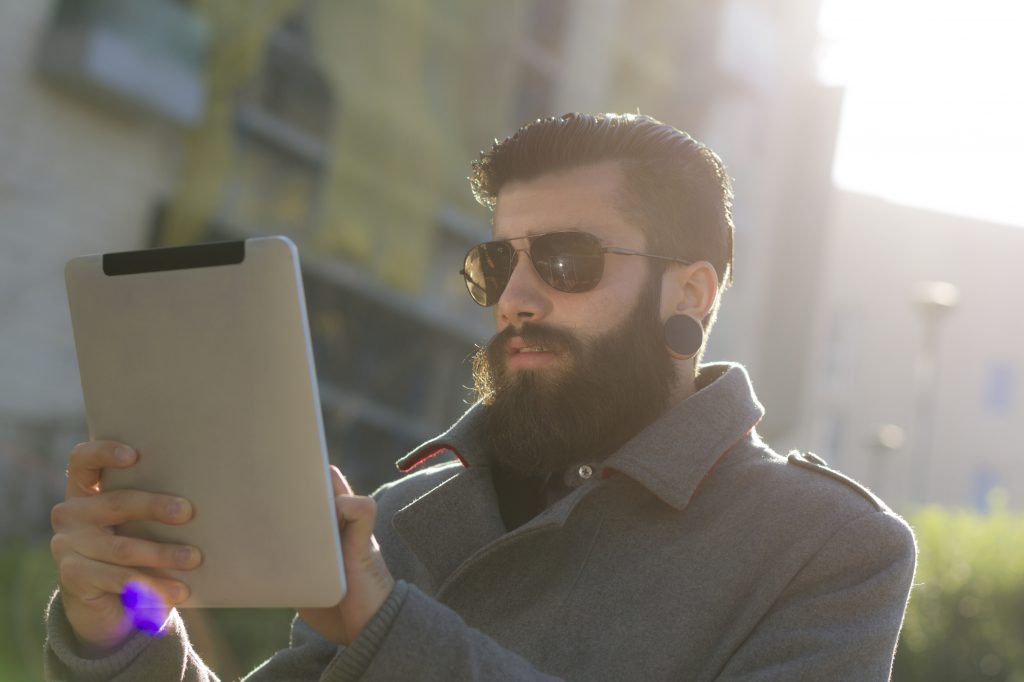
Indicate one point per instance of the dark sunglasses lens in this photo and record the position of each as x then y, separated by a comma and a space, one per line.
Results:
487, 270
569, 261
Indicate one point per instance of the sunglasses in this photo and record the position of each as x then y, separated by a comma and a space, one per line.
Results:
572, 262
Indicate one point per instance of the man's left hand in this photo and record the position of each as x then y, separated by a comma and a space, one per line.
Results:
367, 577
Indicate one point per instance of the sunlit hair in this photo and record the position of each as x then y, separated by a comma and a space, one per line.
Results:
677, 189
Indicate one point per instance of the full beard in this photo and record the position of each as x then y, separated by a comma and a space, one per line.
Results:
540, 421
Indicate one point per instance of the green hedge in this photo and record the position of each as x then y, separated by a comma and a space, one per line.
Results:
966, 615
27, 577
965, 621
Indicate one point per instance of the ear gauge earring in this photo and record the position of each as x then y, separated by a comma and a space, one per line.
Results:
684, 336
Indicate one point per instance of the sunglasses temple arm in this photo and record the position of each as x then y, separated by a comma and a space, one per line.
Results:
631, 252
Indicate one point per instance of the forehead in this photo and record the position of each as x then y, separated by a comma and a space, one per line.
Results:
586, 198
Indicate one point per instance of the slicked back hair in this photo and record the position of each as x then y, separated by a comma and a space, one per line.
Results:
676, 188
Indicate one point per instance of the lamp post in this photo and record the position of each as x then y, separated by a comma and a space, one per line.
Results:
933, 300
887, 440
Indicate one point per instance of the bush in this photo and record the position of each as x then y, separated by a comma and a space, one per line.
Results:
27, 577
966, 615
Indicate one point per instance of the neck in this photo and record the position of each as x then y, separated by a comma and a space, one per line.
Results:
686, 384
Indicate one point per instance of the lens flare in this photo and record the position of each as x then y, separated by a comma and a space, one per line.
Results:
145, 607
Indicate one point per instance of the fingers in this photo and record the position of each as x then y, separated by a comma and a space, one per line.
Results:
93, 561
119, 506
105, 577
125, 551
89, 580
88, 460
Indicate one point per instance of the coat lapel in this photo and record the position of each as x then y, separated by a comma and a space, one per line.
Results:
448, 524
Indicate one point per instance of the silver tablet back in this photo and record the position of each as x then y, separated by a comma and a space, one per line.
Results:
200, 358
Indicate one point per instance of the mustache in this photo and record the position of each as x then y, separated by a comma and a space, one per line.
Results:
490, 361
533, 334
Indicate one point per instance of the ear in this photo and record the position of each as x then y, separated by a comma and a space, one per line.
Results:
689, 290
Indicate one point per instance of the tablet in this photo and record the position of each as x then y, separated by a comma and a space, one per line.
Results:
199, 357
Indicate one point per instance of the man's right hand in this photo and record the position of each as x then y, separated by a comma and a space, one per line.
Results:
94, 563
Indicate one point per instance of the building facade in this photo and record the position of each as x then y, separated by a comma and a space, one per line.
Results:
349, 127
914, 383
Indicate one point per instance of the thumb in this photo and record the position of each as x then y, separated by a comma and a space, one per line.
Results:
356, 516
339, 482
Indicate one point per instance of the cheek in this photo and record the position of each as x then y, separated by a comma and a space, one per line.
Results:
616, 299
600, 312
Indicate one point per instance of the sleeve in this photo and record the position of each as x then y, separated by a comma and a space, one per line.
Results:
413, 636
840, 616
168, 655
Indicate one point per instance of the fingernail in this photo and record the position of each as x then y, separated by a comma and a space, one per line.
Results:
186, 557
123, 454
177, 508
179, 593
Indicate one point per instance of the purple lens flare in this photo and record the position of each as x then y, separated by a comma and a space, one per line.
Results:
144, 607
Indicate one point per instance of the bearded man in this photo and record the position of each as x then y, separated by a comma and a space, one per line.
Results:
613, 513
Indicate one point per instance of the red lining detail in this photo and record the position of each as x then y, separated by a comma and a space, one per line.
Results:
413, 460
711, 470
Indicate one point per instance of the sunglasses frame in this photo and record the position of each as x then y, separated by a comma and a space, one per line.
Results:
618, 250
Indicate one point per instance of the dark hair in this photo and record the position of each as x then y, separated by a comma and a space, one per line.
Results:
677, 189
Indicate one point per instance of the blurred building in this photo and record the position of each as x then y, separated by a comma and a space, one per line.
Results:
349, 127
915, 378
76, 176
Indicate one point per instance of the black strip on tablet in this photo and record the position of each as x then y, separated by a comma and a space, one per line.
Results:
173, 258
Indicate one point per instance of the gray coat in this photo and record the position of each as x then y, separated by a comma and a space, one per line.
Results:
692, 553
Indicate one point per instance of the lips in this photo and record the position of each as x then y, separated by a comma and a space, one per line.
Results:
523, 355
517, 345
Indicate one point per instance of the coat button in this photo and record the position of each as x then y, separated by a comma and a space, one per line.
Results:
585, 471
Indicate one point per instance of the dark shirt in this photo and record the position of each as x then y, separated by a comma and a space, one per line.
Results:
520, 498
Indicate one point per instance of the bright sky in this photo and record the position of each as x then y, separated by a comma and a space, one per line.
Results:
934, 106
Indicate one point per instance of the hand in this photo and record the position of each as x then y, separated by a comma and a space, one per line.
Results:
366, 575
94, 564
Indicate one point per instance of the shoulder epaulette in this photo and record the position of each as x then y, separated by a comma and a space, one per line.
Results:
811, 461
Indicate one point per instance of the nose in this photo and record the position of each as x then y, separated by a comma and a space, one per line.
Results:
526, 297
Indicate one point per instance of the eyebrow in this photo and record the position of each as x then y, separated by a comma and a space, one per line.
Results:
556, 230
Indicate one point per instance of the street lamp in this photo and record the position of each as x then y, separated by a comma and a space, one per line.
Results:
933, 300
886, 441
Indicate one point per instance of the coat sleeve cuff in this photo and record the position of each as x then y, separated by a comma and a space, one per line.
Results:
62, 660
351, 661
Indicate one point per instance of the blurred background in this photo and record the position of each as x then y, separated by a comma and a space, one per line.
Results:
875, 148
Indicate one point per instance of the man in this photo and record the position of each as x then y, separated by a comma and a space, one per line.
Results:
613, 514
